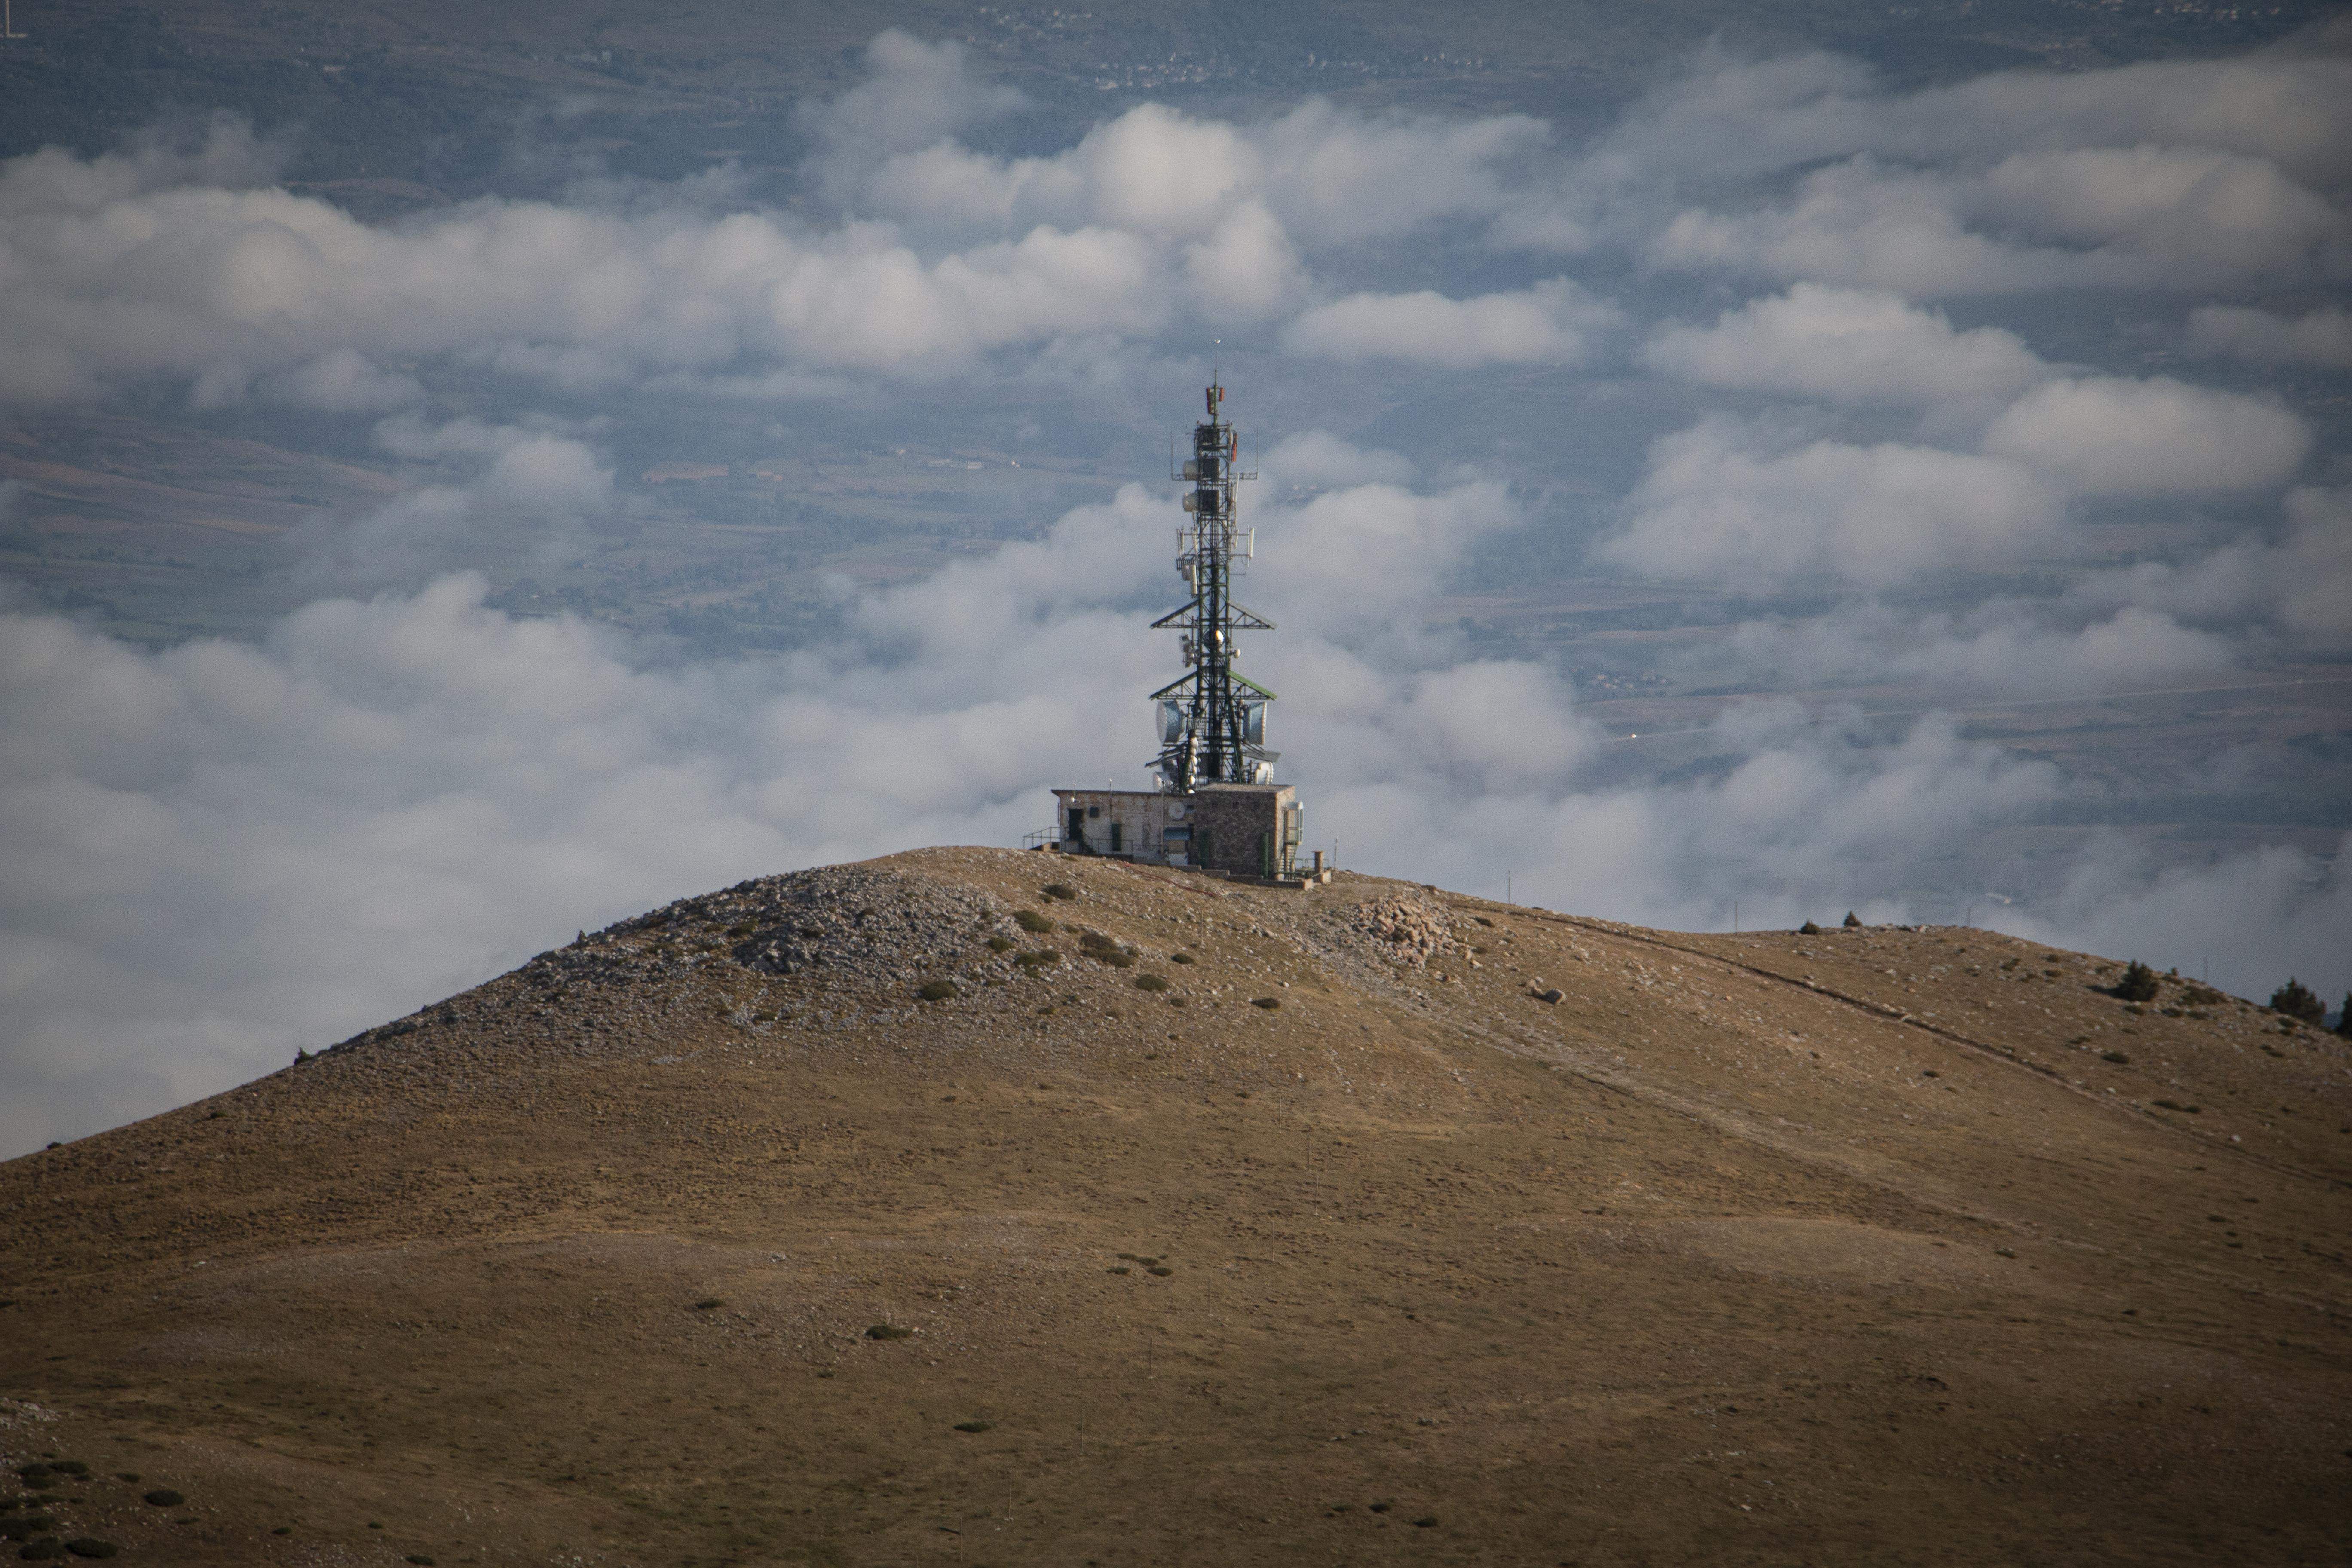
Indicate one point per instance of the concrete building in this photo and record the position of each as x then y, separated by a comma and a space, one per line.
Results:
1244, 830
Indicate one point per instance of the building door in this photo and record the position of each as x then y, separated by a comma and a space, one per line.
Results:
1078, 823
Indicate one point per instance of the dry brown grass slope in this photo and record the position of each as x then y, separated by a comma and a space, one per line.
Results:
1875, 1247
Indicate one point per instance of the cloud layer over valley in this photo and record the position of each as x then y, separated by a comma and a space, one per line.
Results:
1840, 326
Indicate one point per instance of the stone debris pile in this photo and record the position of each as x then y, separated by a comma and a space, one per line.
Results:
1405, 929
848, 922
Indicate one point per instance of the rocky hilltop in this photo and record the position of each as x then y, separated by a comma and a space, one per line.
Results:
977, 1206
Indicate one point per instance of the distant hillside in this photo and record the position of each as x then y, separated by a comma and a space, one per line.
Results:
1191, 1222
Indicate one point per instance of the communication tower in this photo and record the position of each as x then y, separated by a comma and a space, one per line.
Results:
1212, 718
1216, 808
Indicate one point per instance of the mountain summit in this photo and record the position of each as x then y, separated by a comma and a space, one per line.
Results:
979, 1206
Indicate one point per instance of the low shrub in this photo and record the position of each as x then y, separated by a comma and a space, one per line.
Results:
1180, 958
2117, 1056
1809, 929
35, 1551
889, 1332
709, 1304
1150, 983
164, 1496
1044, 958
974, 1425
1161, 1269
1426, 1522
1060, 890
421, 1560
33, 1475
1030, 920
2139, 984
1000, 944
936, 990
69, 1467
1268, 1002
86, 1546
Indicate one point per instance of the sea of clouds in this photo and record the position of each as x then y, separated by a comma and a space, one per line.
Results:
222, 851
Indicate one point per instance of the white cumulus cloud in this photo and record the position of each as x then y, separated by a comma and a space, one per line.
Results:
1854, 346
1554, 322
1716, 505
2118, 435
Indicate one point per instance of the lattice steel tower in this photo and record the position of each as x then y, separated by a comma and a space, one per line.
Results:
1212, 719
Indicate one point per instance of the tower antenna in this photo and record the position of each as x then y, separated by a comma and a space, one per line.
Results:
1212, 718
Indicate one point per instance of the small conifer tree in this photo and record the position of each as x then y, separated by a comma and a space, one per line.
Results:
2295, 999
2139, 984
1853, 920
2344, 1019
